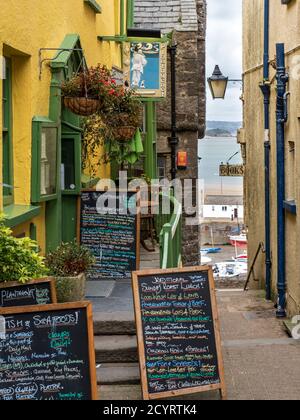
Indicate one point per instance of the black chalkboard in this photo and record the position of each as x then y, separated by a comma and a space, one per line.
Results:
113, 238
37, 292
47, 353
178, 332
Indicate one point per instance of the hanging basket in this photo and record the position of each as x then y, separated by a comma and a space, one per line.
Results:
124, 133
82, 106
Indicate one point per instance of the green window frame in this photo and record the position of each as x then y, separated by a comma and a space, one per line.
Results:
94, 5
7, 145
71, 147
39, 127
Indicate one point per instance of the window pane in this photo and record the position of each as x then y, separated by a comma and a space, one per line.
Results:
48, 161
68, 164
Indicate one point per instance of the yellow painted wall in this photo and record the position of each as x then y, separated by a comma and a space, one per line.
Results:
284, 27
25, 27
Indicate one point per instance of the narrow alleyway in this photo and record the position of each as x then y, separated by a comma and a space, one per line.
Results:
258, 355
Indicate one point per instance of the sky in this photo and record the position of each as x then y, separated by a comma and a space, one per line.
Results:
224, 47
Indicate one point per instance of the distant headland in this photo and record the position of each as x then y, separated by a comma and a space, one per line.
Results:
222, 128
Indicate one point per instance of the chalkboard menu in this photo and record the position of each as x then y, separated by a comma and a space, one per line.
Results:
110, 228
37, 292
47, 353
178, 332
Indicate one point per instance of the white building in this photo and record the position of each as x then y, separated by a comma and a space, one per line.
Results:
223, 207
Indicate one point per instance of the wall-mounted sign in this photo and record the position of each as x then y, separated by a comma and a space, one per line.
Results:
232, 170
145, 68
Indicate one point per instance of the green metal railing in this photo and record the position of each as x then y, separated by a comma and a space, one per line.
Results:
170, 238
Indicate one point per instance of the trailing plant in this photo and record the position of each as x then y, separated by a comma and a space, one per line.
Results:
92, 141
19, 260
93, 83
69, 260
125, 108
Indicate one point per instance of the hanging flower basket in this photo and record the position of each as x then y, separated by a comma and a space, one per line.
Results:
124, 133
85, 93
82, 106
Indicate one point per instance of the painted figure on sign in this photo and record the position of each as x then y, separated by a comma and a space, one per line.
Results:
138, 63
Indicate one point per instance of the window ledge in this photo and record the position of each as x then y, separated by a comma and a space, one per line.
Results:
18, 214
290, 206
94, 5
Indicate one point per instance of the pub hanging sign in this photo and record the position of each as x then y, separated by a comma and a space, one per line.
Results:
232, 170
145, 68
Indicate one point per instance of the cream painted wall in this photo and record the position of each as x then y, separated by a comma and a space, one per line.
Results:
284, 27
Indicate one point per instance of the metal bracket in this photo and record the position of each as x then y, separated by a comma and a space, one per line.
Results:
60, 51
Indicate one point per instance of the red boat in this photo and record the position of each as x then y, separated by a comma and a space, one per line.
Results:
240, 241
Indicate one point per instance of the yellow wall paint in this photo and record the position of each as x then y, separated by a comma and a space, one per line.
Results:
284, 27
25, 27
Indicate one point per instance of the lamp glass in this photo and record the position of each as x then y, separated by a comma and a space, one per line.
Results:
218, 88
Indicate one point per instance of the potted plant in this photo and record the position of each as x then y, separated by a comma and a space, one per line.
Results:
19, 260
69, 264
85, 93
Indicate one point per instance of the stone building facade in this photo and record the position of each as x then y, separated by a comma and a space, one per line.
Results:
283, 28
186, 20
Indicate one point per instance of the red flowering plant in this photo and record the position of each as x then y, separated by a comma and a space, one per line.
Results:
92, 83
125, 107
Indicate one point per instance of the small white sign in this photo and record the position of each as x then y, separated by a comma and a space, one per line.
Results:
2, 328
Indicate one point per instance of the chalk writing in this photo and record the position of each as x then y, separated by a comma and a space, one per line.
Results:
36, 293
45, 356
111, 237
178, 331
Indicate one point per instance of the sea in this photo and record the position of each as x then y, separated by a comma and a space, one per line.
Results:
213, 151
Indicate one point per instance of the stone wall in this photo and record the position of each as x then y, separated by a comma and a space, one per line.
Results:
191, 100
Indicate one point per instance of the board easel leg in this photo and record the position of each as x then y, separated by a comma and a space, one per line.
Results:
223, 394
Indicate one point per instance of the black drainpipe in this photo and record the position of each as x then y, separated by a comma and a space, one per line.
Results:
173, 140
265, 88
281, 119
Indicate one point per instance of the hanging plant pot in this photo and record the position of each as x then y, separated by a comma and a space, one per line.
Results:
124, 133
82, 106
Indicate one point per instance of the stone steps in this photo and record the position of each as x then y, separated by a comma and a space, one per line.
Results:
116, 349
118, 374
116, 323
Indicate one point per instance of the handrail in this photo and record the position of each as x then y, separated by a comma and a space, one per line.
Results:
171, 236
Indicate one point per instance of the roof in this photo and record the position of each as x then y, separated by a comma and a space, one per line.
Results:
224, 200
166, 15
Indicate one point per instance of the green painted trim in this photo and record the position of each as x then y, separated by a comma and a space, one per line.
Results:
155, 100
7, 200
38, 123
68, 43
130, 13
94, 5
73, 128
33, 232
17, 214
7, 146
119, 38
76, 137
150, 141
43, 120
122, 18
